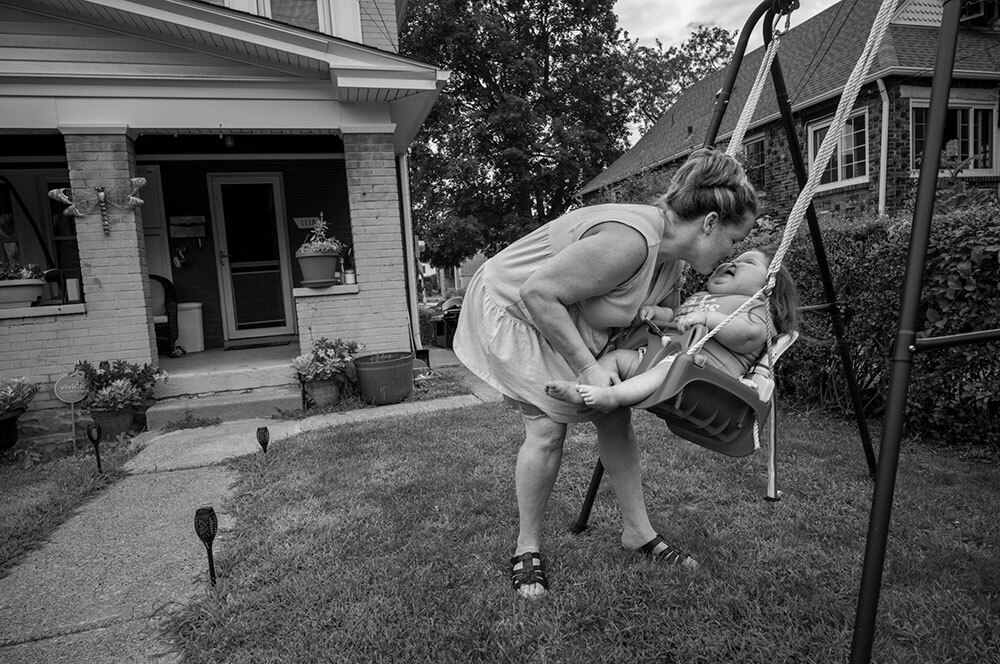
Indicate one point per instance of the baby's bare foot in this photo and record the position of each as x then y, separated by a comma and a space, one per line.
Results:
563, 390
600, 398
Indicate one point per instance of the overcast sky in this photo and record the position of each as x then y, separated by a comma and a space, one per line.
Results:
672, 21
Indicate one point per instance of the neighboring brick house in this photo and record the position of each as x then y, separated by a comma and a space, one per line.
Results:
247, 118
875, 168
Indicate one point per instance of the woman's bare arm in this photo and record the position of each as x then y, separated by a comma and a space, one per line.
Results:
607, 256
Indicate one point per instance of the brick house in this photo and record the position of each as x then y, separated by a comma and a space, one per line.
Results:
875, 168
247, 118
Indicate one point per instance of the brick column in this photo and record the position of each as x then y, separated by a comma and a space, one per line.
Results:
115, 281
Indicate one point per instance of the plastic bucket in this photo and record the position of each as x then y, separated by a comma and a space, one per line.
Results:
385, 378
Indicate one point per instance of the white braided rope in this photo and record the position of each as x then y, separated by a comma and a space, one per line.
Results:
830, 142
750, 107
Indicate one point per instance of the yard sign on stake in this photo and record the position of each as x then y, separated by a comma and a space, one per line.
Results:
71, 389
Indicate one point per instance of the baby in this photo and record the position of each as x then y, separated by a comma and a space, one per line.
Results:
734, 349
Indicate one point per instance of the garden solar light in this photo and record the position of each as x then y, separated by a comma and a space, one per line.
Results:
94, 434
263, 437
206, 524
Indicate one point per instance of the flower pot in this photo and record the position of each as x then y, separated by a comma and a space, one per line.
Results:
319, 270
113, 422
8, 428
385, 378
17, 293
323, 393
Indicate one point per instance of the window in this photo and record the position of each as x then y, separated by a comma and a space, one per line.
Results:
753, 162
10, 246
849, 161
968, 138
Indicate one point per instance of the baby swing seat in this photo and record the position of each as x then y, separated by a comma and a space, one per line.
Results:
698, 402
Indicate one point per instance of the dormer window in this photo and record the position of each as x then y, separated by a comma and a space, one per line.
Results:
980, 14
339, 18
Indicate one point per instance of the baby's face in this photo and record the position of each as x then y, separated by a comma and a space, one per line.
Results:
743, 276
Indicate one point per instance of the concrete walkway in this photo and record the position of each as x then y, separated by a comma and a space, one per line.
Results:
98, 589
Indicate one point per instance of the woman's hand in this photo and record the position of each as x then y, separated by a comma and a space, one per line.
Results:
659, 315
595, 374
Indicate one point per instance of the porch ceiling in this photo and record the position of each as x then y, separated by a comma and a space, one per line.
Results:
358, 73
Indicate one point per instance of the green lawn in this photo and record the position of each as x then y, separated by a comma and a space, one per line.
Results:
388, 542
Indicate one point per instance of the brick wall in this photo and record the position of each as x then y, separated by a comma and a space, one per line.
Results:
377, 315
378, 24
116, 323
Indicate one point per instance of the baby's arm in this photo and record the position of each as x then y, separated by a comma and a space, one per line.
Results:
742, 334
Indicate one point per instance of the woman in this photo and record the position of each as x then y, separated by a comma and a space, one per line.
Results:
542, 308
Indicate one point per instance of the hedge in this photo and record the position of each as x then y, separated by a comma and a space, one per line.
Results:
952, 397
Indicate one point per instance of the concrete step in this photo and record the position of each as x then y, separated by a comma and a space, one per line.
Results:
228, 380
227, 406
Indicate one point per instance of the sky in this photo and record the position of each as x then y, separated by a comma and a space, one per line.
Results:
672, 21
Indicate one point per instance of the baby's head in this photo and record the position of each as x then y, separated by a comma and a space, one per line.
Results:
747, 274
743, 276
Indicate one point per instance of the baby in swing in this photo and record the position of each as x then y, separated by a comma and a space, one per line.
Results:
734, 349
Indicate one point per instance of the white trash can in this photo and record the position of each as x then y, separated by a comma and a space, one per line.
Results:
191, 334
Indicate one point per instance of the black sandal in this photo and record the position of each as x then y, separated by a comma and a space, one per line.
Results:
669, 555
531, 570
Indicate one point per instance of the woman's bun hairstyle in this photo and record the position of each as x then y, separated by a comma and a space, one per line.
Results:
711, 181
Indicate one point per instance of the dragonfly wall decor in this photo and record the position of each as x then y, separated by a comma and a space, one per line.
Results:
82, 202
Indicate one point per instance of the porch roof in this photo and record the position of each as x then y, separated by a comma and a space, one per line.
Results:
291, 75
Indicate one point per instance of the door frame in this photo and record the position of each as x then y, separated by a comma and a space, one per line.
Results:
275, 179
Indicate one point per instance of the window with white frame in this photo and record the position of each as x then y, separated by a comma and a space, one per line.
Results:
753, 162
968, 137
849, 161
340, 18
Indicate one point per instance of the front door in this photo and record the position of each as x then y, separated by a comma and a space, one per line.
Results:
253, 259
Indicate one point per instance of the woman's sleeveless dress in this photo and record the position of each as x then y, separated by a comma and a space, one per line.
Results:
496, 337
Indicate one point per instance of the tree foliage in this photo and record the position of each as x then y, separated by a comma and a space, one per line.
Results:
539, 102
659, 75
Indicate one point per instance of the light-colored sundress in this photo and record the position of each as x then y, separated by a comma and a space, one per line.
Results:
496, 337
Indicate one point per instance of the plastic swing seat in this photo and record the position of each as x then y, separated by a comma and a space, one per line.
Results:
703, 404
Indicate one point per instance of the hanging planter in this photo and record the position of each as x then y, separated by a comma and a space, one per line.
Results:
319, 257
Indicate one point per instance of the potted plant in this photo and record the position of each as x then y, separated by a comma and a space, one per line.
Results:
115, 390
319, 257
326, 370
15, 395
20, 285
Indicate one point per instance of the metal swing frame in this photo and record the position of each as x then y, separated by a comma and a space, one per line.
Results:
906, 344
769, 9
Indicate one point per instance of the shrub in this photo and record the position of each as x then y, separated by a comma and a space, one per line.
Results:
106, 384
16, 394
951, 394
328, 360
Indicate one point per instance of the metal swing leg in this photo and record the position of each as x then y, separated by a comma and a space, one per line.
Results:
772, 453
588, 501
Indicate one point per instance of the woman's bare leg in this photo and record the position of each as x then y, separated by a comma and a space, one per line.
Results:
537, 467
619, 452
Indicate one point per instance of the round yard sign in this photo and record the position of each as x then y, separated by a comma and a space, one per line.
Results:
71, 388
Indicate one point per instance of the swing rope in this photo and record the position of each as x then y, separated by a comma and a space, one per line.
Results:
830, 142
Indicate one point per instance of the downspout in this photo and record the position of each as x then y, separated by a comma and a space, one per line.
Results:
408, 254
883, 171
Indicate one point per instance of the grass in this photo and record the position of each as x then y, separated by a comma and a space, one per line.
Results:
38, 496
388, 542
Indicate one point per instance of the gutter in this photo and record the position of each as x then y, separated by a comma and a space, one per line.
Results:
408, 254
883, 170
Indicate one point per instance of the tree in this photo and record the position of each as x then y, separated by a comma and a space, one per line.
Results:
660, 76
537, 105
539, 102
